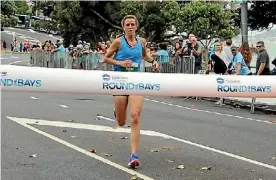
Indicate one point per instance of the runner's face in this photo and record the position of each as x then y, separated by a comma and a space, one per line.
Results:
130, 26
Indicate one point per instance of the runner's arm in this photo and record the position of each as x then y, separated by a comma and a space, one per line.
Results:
146, 56
111, 51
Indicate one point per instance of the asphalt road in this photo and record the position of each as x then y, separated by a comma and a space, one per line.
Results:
25, 34
59, 130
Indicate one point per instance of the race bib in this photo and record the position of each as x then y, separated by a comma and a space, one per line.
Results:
134, 68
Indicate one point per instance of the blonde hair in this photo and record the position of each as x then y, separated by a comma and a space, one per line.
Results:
129, 17
220, 46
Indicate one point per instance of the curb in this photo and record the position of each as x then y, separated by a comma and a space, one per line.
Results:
266, 109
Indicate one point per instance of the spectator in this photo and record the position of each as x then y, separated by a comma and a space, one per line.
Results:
273, 72
4, 45
221, 53
262, 64
239, 65
196, 52
227, 50
162, 57
246, 53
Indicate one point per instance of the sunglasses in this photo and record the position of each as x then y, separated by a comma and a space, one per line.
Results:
258, 46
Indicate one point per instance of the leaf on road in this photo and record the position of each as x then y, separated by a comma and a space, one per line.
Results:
207, 168
124, 137
108, 155
169, 161
74, 136
92, 150
33, 155
36, 122
134, 177
64, 130
180, 166
154, 150
169, 148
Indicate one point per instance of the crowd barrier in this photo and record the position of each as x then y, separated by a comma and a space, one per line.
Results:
94, 61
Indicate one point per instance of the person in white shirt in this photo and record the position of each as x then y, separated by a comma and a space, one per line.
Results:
221, 53
227, 50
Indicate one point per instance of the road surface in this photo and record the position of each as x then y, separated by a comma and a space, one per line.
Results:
49, 136
25, 34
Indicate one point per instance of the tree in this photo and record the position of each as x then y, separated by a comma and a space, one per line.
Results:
22, 7
8, 9
91, 20
262, 14
152, 23
206, 20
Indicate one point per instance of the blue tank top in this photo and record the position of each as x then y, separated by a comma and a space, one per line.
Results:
133, 53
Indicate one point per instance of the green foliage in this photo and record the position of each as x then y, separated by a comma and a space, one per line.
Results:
261, 14
8, 21
150, 16
95, 19
206, 20
22, 7
8, 8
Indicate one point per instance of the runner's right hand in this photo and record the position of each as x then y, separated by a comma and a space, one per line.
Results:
125, 63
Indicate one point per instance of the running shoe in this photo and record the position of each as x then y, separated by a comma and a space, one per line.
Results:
133, 161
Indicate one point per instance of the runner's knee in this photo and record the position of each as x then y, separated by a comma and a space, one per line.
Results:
135, 117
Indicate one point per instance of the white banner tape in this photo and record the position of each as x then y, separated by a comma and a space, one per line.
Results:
35, 79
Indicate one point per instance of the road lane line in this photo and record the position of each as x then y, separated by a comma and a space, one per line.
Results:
205, 111
32, 97
17, 62
64, 106
76, 148
105, 118
25, 122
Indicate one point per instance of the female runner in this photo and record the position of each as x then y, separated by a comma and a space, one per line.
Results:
129, 51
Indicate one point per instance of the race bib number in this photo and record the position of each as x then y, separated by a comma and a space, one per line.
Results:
133, 68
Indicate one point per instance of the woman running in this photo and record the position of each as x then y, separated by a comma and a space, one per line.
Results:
129, 51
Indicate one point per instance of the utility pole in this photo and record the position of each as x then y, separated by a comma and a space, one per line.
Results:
244, 21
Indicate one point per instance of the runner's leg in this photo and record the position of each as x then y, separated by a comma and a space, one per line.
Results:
136, 104
120, 109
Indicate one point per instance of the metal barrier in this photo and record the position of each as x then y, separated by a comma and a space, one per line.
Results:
94, 61
87, 61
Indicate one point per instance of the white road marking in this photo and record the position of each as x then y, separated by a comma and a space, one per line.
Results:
64, 106
105, 118
32, 97
32, 30
205, 111
25, 122
17, 62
